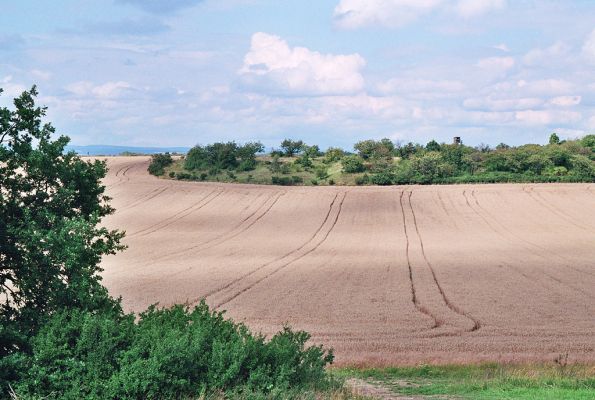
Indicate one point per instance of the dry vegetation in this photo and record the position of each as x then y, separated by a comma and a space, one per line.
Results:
385, 275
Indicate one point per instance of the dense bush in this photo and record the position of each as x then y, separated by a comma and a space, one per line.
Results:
168, 353
333, 154
220, 156
286, 180
352, 164
159, 162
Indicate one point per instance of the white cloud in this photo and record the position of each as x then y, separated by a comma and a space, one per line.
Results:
272, 66
507, 104
547, 117
108, 90
422, 89
351, 14
10, 89
474, 8
546, 86
589, 47
39, 74
496, 65
566, 101
546, 56
503, 47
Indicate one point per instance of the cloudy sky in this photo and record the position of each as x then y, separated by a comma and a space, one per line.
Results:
181, 72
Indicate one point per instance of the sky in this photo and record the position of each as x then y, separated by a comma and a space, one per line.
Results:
330, 72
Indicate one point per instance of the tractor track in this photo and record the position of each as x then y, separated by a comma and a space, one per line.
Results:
177, 216
414, 299
449, 304
285, 265
238, 229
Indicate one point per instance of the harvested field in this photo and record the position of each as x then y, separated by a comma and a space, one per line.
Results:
385, 275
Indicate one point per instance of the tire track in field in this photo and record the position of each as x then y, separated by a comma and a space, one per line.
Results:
238, 229
508, 239
541, 248
117, 175
143, 199
414, 298
449, 304
313, 243
443, 205
177, 216
538, 198
558, 282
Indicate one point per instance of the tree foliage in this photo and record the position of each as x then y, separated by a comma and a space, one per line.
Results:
219, 156
292, 147
51, 243
159, 162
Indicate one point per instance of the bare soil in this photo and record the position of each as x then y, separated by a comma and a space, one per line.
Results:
384, 275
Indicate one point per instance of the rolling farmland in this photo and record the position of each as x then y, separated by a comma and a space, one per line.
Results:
384, 275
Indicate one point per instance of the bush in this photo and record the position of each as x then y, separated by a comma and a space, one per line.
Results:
184, 176
172, 174
321, 172
220, 156
352, 164
362, 180
383, 178
169, 353
159, 162
282, 180
305, 161
333, 154
297, 179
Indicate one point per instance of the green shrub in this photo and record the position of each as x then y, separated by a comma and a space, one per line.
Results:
184, 176
321, 172
168, 353
352, 164
383, 178
282, 180
305, 161
159, 162
362, 180
333, 154
297, 179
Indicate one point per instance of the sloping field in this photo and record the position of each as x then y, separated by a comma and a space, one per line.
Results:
384, 275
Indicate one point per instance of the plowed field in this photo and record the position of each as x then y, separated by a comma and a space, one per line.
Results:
384, 275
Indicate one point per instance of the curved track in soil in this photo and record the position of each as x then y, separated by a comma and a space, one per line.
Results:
385, 275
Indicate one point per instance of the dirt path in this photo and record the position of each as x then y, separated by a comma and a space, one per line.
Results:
379, 390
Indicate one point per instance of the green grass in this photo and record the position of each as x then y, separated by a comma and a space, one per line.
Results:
485, 381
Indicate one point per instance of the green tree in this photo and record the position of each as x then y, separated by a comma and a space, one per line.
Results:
433, 146
333, 154
292, 147
51, 241
352, 164
554, 139
159, 162
372, 149
430, 167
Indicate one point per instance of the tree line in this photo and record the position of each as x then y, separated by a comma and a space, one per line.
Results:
384, 162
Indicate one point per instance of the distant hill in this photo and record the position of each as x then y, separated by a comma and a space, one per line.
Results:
105, 150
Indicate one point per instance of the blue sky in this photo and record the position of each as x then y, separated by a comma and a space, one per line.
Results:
181, 72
